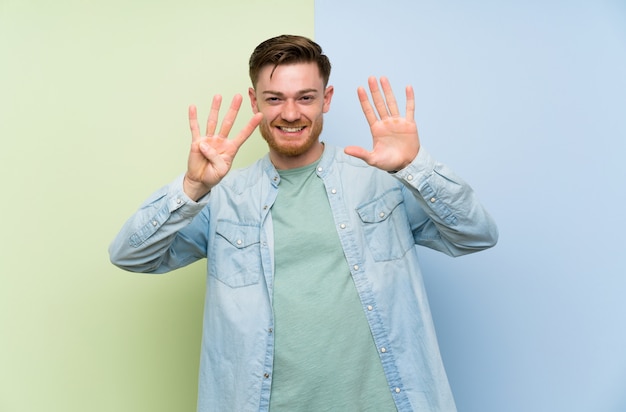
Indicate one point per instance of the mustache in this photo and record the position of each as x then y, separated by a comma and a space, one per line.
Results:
289, 124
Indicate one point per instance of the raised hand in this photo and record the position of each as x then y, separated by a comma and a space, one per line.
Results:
211, 155
395, 138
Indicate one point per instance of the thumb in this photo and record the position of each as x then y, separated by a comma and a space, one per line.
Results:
211, 155
358, 152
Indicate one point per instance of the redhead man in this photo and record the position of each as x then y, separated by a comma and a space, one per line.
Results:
314, 298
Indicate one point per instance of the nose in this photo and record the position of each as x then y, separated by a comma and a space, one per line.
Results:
290, 112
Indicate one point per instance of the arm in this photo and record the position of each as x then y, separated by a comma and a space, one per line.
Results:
169, 230
164, 234
457, 223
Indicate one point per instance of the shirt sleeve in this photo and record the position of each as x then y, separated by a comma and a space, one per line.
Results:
163, 234
457, 222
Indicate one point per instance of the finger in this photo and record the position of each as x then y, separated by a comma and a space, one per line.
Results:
358, 152
410, 103
231, 115
366, 106
247, 130
212, 155
389, 97
377, 97
211, 123
193, 123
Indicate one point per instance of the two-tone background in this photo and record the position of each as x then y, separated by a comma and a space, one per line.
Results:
526, 100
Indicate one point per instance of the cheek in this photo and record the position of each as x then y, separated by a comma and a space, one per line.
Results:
269, 115
317, 114
264, 127
267, 121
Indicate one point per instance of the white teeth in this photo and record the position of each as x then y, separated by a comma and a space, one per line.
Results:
291, 129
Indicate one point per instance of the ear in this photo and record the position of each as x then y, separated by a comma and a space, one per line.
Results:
253, 101
328, 95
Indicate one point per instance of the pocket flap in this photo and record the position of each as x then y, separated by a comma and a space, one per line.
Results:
237, 234
380, 208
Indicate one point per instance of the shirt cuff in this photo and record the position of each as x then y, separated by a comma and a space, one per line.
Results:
179, 201
418, 170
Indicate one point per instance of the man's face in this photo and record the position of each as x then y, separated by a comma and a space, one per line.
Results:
293, 102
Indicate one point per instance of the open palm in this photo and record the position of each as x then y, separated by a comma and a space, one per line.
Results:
211, 155
395, 140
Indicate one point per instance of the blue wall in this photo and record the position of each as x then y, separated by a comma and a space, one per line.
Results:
527, 101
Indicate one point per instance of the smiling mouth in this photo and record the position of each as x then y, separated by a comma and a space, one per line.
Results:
291, 129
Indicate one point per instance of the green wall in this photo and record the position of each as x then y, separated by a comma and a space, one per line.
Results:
93, 106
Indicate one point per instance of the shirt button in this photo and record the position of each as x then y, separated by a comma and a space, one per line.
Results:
334, 191
370, 307
381, 214
154, 223
239, 242
343, 225
397, 390
319, 169
383, 350
433, 200
356, 267
409, 177
267, 375
178, 201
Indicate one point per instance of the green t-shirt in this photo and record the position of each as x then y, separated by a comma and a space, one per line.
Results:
325, 357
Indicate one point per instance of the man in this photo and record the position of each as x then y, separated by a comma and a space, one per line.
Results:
314, 294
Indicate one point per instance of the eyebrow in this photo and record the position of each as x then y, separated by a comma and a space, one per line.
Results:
280, 94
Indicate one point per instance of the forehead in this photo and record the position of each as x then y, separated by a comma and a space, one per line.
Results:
287, 78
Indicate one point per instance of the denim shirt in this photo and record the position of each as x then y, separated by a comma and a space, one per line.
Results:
380, 218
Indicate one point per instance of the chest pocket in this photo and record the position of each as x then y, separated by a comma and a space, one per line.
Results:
385, 226
236, 257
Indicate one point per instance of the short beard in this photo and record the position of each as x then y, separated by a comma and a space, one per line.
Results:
291, 151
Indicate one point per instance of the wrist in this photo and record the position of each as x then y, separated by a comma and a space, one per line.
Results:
408, 160
194, 189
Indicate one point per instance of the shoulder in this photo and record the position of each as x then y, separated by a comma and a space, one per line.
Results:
334, 155
351, 165
359, 180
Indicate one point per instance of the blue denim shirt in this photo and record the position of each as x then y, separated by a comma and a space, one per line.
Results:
380, 218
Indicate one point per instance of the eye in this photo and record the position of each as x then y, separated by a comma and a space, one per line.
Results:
272, 100
307, 98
